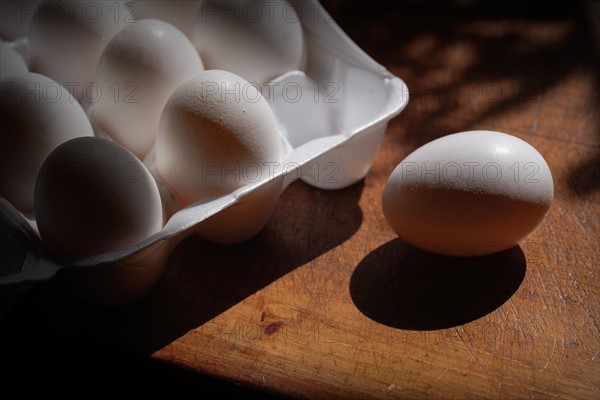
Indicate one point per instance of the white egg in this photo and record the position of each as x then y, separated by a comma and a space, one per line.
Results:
217, 134
244, 219
258, 40
16, 17
179, 13
469, 194
93, 196
139, 70
37, 115
11, 62
67, 39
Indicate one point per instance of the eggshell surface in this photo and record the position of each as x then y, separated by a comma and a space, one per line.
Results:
217, 134
93, 196
139, 70
37, 115
468, 194
257, 40
67, 39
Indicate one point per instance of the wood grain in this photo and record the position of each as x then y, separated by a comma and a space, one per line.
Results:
327, 303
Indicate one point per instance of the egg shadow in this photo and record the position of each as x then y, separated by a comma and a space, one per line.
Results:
403, 287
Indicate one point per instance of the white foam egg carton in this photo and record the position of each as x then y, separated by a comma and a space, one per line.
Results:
332, 119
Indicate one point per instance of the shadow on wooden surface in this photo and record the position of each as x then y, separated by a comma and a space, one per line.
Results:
87, 367
204, 279
403, 287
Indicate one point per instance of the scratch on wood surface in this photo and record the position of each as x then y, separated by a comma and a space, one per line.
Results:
354, 372
578, 335
546, 291
595, 355
467, 347
376, 360
443, 373
535, 123
391, 387
444, 346
319, 367
251, 366
549, 358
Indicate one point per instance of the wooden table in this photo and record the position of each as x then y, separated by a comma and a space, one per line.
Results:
327, 303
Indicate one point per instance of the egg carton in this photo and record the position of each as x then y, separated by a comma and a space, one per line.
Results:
332, 119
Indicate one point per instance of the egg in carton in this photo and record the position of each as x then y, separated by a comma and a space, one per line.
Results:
330, 105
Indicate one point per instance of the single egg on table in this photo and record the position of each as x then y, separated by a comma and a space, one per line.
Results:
139, 70
11, 62
257, 40
37, 115
217, 133
469, 194
67, 39
93, 196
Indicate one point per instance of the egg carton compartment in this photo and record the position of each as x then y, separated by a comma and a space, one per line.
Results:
331, 116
